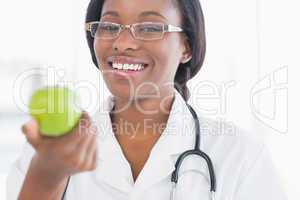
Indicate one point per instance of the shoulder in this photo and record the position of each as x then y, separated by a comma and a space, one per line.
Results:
242, 161
222, 132
230, 145
225, 141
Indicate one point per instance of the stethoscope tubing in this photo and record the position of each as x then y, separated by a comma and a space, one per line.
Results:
198, 152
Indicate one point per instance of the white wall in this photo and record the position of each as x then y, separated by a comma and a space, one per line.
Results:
247, 46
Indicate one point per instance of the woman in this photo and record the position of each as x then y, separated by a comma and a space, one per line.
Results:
146, 69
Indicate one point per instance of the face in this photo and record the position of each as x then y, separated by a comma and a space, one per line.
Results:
161, 57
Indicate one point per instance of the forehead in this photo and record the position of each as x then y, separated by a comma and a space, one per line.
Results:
132, 10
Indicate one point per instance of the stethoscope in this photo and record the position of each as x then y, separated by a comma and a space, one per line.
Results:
198, 152
180, 159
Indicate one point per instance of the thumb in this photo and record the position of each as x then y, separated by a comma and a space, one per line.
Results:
31, 131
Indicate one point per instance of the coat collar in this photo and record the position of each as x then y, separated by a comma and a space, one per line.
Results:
113, 168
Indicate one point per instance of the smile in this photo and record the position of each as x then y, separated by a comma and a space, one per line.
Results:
127, 66
126, 71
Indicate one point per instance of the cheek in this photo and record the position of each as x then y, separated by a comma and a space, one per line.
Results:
166, 54
100, 49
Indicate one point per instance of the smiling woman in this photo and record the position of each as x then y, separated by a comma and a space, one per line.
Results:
146, 144
166, 67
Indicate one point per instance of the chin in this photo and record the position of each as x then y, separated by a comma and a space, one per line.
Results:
129, 95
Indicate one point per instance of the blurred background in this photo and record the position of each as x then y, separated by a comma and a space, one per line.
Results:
244, 80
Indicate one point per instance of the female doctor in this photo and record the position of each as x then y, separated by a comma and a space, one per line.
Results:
145, 142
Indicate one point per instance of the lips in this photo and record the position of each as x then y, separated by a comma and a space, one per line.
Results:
126, 74
126, 60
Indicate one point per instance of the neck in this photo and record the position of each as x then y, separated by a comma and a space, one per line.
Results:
142, 119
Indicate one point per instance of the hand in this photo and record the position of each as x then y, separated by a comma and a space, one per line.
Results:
60, 157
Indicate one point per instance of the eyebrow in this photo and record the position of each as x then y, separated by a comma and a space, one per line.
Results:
143, 14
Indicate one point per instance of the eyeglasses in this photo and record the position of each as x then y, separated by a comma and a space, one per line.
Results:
140, 31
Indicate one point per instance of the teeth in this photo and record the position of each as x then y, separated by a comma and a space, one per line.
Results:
135, 67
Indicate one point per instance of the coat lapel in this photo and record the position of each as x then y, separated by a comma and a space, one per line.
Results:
111, 167
177, 137
114, 169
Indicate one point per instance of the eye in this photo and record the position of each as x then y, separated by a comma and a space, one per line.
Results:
108, 27
150, 28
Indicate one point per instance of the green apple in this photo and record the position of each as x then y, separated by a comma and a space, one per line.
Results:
55, 110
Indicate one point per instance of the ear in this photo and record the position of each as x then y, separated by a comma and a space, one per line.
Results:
187, 53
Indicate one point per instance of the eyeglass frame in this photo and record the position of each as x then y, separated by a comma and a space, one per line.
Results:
167, 28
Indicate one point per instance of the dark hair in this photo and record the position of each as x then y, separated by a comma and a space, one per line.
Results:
194, 28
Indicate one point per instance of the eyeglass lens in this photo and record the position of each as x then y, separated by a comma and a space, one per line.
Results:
146, 31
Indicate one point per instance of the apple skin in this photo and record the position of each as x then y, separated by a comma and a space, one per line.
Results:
55, 110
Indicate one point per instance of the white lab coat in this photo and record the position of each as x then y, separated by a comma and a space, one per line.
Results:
242, 163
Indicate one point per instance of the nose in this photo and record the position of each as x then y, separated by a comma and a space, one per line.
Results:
125, 41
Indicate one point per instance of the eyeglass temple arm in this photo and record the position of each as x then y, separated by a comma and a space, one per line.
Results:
87, 26
171, 28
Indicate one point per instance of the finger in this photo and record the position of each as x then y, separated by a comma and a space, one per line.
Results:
31, 131
85, 119
85, 141
90, 163
80, 129
82, 147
